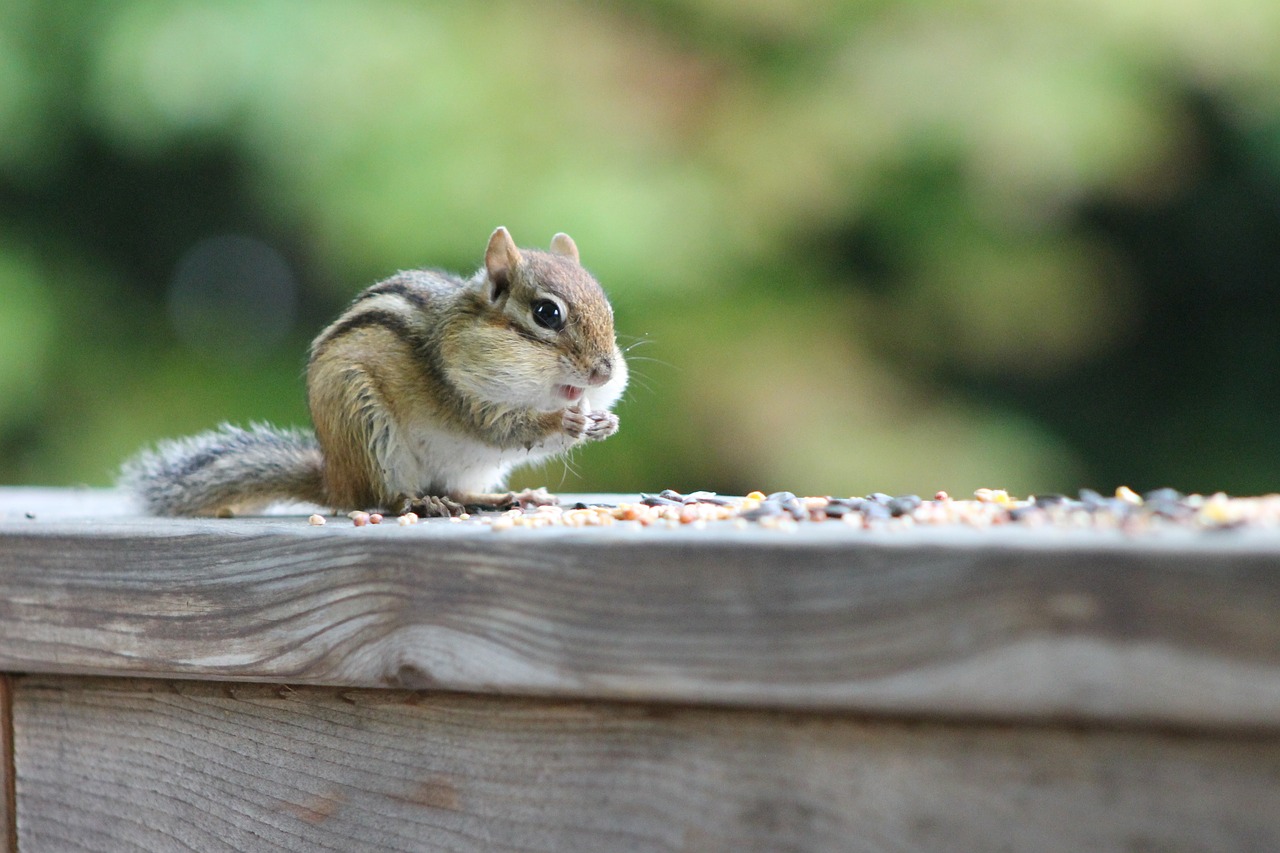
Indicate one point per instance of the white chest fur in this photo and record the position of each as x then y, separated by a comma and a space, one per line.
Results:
418, 457
422, 459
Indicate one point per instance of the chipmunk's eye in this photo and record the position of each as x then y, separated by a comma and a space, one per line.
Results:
547, 314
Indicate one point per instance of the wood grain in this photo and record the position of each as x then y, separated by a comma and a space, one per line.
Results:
8, 796
120, 765
1003, 625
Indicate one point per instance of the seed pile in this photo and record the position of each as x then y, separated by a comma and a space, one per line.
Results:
1125, 510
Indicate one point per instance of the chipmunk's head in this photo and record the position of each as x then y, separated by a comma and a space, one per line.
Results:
552, 329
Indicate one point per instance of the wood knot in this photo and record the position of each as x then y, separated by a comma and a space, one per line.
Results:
410, 677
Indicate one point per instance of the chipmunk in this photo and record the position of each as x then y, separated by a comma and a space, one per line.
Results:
424, 393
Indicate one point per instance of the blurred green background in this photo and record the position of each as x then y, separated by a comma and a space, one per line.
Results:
899, 246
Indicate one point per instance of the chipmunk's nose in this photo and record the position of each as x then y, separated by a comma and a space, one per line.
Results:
601, 373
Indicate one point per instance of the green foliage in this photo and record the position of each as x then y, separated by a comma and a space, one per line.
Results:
897, 246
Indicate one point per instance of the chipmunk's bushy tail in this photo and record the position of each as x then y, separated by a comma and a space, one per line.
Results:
227, 471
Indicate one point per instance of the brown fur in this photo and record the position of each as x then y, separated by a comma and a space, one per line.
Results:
429, 363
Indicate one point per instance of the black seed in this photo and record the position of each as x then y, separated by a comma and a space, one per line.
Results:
1167, 507
657, 500
1018, 513
671, 495
767, 508
837, 509
1117, 507
903, 505
872, 511
880, 498
796, 509
1092, 500
581, 505
1049, 500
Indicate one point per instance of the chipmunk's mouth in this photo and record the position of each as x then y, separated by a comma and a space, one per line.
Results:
572, 393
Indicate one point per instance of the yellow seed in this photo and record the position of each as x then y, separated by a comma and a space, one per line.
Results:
755, 496
1217, 510
1128, 495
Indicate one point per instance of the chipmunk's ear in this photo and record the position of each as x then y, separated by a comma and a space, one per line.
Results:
562, 244
500, 259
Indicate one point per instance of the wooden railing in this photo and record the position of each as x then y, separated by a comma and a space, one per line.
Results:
265, 684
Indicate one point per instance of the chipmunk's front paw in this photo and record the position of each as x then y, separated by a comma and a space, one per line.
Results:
601, 426
592, 426
432, 506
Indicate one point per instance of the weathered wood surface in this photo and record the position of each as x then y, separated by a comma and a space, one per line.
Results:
8, 797
1011, 624
119, 765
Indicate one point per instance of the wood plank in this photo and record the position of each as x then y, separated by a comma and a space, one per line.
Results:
114, 764
1001, 625
8, 801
